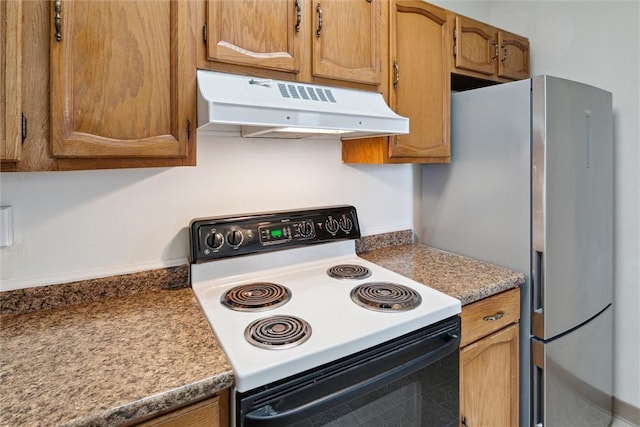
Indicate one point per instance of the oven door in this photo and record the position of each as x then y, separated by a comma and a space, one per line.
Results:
412, 381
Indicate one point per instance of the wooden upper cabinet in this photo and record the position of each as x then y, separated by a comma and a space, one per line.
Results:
475, 46
259, 33
420, 80
313, 41
514, 56
122, 79
10, 84
486, 52
417, 84
346, 39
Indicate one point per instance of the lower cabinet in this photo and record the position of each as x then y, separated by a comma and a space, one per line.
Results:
211, 412
489, 386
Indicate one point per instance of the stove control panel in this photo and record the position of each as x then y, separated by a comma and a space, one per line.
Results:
221, 237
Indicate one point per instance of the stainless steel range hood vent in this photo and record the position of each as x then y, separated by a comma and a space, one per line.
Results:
265, 108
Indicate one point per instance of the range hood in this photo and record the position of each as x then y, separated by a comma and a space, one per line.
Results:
265, 108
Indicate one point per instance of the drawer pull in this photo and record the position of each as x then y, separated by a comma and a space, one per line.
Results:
496, 316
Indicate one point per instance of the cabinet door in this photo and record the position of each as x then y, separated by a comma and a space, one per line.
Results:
421, 79
211, 412
489, 380
475, 46
514, 56
10, 81
122, 79
259, 33
345, 40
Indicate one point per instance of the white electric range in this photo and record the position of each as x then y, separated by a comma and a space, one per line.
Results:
286, 293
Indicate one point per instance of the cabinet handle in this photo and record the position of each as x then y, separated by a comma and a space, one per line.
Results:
495, 51
493, 317
464, 422
396, 71
298, 16
58, 19
504, 53
319, 12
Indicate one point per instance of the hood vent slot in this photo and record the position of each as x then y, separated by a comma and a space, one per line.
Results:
307, 93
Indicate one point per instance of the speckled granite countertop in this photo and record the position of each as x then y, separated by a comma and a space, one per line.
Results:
111, 351
108, 362
464, 278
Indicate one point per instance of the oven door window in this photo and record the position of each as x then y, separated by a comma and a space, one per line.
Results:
427, 398
409, 382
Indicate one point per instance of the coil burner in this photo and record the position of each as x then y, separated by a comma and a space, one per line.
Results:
257, 296
385, 296
348, 271
278, 332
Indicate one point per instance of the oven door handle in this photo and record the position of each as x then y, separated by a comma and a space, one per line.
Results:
267, 416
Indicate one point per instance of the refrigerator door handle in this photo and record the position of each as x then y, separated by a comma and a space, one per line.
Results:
537, 309
537, 383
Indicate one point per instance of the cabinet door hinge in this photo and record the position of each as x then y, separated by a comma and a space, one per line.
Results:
24, 127
188, 129
204, 33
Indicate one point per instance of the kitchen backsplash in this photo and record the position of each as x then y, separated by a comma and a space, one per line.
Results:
20, 301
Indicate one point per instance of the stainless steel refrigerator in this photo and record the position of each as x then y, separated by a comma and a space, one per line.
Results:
530, 187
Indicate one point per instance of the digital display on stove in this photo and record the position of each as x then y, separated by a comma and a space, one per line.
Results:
270, 234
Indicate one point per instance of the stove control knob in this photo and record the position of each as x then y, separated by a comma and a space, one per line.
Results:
306, 228
214, 240
346, 224
331, 225
235, 238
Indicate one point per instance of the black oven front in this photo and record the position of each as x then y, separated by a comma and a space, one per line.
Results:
411, 381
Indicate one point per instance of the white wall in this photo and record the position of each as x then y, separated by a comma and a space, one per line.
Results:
598, 43
78, 225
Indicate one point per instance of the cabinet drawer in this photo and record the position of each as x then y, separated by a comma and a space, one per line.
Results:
481, 318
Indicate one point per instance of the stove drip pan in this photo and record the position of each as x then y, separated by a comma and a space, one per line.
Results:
348, 271
258, 296
385, 296
278, 332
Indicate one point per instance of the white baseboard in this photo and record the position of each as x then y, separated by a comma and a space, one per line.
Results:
626, 412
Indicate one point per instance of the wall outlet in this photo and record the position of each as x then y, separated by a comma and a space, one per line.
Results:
6, 226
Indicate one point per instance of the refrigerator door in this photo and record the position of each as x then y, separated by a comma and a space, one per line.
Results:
572, 376
572, 198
